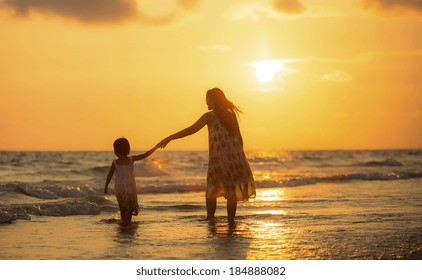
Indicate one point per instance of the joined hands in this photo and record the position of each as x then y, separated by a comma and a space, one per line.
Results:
163, 143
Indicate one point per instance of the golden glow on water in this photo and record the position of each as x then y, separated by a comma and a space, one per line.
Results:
272, 195
269, 239
271, 212
267, 176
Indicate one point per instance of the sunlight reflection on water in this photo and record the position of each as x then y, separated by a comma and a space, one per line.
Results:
272, 195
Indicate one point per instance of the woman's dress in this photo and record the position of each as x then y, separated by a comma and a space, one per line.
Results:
229, 173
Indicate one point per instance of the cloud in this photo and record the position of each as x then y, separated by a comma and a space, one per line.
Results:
250, 11
256, 10
277, 9
337, 77
82, 10
359, 58
165, 12
394, 6
153, 12
289, 6
189, 4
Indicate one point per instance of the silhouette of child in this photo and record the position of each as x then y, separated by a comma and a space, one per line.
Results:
125, 186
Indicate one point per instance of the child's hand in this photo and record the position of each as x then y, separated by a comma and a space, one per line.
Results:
105, 190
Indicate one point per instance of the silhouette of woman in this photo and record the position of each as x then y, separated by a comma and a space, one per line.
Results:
229, 174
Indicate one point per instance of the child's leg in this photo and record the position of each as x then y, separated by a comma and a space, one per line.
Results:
122, 208
211, 207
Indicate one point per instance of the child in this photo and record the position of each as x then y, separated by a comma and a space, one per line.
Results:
125, 186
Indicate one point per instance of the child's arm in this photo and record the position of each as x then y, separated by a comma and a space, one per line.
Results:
145, 155
109, 176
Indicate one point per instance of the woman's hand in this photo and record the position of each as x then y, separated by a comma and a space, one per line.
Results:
164, 143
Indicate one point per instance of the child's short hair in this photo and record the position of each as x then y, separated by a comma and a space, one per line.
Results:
121, 146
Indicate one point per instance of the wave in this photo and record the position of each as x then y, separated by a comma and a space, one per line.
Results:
147, 169
264, 160
171, 189
52, 190
100, 169
178, 207
303, 181
88, 206
46, 191
85, 200
292, 182
387, 162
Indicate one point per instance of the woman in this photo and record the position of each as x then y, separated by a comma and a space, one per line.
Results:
229, 174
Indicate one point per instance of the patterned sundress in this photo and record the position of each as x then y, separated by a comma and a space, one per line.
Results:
229, 173
125, 188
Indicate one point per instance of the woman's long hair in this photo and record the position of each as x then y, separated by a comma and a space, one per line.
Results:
227, 113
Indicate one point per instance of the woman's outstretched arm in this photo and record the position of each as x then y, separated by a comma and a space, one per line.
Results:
200, 123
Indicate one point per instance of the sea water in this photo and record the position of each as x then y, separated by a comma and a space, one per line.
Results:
309, 205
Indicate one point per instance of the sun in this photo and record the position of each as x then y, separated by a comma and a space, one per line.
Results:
264, 74
266, 70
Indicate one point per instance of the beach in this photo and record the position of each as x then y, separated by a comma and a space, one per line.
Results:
326, 205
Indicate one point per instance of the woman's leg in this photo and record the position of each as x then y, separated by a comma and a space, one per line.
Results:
128, 218
231, 208
122, 215
211, 207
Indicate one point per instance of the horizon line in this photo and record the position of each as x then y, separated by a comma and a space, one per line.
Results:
206, 150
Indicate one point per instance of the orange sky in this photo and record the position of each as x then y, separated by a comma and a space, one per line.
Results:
75, 76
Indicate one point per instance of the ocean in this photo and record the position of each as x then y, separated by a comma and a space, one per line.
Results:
310, 205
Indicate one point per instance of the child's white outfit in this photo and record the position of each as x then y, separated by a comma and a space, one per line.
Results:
125, 188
